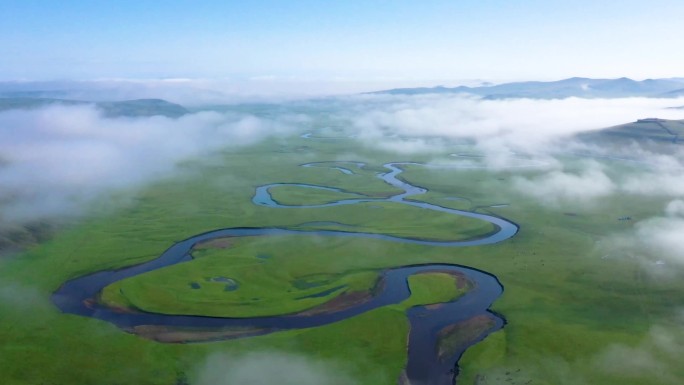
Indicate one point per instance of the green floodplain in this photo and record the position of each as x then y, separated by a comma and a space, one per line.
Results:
568, 303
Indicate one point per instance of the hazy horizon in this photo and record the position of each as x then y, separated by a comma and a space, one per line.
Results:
339, 45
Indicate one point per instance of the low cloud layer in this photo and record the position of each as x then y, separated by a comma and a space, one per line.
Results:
519, 124
661, 237
268, 368
529, 135
650, 360
658, 183
559, 187
655, 242
21, 298
55, 159
588, 182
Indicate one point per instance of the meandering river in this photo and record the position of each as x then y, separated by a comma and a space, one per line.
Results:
78, 296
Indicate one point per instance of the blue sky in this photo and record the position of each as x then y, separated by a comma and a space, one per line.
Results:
348, 40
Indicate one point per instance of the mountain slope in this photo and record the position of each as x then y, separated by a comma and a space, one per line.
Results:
645, 131
130, 108
577, 87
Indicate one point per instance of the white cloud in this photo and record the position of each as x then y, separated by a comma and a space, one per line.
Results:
20, 297
53, 159
675, 208
650, 360
559, 187
526, 133
658, 183
267, 368
523, 124
59, 157
654, 242
662, 238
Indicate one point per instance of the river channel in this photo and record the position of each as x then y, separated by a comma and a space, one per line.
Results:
78, 296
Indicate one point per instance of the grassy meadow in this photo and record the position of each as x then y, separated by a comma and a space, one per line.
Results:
565, 300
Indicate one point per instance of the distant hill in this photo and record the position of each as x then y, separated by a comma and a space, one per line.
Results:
132, 108
27, 103
143, 107
675, 93
653, 130
577, 87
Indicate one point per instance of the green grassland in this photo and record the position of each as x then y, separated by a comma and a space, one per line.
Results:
563, 294
564, 302
273, 280
434, 287
297, 195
